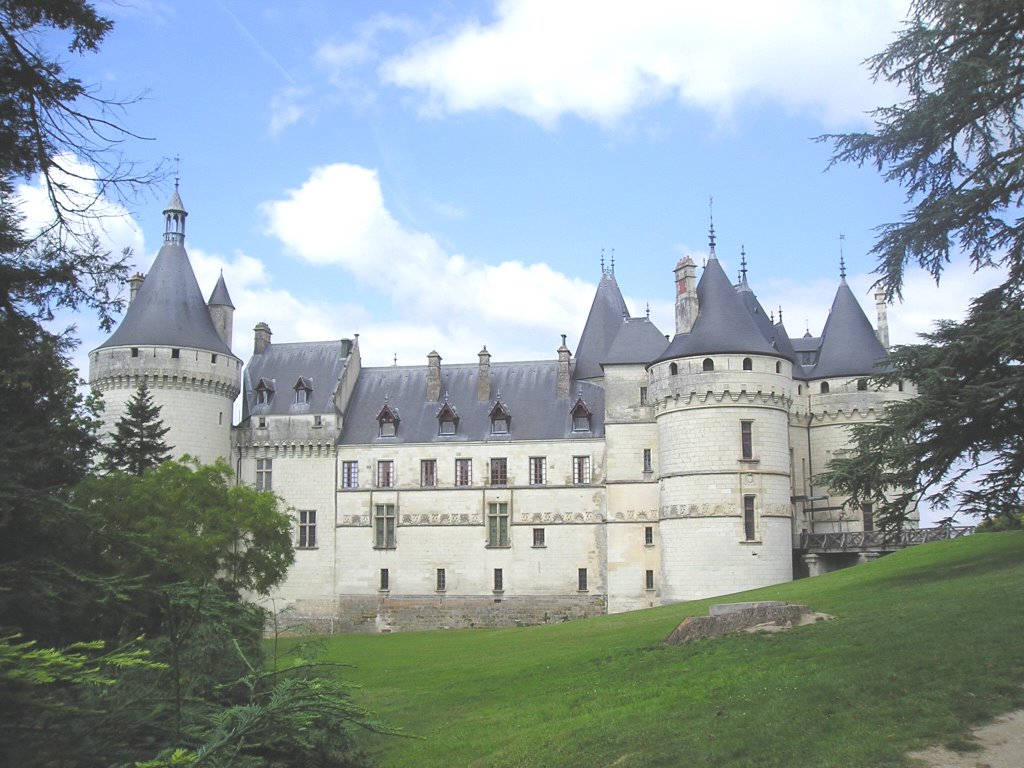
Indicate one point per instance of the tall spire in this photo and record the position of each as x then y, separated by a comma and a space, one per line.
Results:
711, 228
842, 259
743, 264
174, 219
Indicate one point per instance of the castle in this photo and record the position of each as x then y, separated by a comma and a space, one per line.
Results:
640, 470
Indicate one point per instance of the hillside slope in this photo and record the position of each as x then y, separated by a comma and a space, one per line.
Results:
924, 644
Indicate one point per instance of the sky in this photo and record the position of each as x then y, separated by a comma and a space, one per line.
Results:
449, 174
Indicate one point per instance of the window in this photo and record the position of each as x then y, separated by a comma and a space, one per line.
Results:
175, 354
220, 418
384, 580
300, 396
499, 581
643, 395
307, 528
538, 470
799, 389
862, 385
748, 364
869, 517
649, 579
387, 420
441, 581
709, 364
428, 473
900, 386
581, 580
463, 471
385, 473
264, 391
581, 470
264, 472
673, 369
384, 526
318, 420
747, 439
824, 387
648, 535
349, 474
303, 389
499, 419
497, 524
580, 416
135, 351
748, 518
778, 367
538, 537
499, 471
447, 420
261, 422
213, 358
648, 464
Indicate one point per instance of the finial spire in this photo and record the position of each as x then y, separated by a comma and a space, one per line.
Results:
743, 264
842, 259
711, 228
648, 310
613, 261
602, 261
780, 313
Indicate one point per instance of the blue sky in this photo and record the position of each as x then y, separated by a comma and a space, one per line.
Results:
444, 175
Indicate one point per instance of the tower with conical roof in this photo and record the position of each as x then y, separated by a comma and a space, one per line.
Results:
721, 392
179, 345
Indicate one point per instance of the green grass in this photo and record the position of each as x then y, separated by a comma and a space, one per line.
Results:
925, 643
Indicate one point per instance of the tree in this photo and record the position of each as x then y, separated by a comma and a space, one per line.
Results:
957, 146
137, 442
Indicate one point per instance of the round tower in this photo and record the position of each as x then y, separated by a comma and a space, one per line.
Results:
722, 391
168, 338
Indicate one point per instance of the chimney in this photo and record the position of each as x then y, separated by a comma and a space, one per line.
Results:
134, 284
883, 318
563, 369
262, 338
686, 295
433, 377
483, 383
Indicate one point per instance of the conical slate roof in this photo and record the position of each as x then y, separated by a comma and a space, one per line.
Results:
774, 333
220, 295
606, 317
723, 325
849, 346
169, 309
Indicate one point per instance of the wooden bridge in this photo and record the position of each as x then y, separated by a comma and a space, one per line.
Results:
876, 541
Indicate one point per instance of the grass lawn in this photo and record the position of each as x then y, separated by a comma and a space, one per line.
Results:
925, 643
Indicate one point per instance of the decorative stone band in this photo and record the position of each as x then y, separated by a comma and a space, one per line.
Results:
221, 386
696, 399
634, 515
477, 519
837, 415
300, 449
678, 511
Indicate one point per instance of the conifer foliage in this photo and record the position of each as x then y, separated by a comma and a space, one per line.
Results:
137, 442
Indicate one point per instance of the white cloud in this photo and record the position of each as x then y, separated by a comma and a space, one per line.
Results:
339, 217
603, 60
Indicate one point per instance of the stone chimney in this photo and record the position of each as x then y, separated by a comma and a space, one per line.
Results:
433, 377
134, 283
686, 295
563, 369
483, 382
883, 318
262, 338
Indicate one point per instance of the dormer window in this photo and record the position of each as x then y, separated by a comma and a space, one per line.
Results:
264, 391
447, 420
499, 418
580, 416
303, 390
387, 420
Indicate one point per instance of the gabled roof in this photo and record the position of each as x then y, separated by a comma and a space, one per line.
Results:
723, 325
638, 341
849, 346
319, 364
603, 324
528, 389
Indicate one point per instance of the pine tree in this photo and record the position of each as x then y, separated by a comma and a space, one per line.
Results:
137, 442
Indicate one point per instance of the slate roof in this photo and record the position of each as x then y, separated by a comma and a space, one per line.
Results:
169, 309
849, 346
527, 389
319, 364
638, 341
602, 326
774, 333
220, 295
723, 325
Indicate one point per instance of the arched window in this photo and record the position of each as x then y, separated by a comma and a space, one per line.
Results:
799, 389
748, 364
778, 367
709, 364
824, 387
673, 369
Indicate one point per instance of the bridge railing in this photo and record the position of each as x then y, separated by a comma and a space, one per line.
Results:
855, 541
